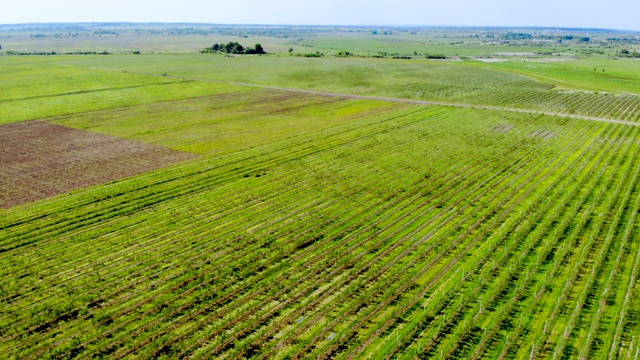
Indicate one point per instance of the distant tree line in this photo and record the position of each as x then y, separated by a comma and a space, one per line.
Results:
30, 53
381, 33
234, 48
55, 53
310, 55
517, 36
627, 53
624, 40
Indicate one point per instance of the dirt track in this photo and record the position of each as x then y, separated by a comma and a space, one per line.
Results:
462, 105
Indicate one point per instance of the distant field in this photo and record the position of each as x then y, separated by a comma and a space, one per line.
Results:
38, 87
496, 84
587, 74
176, 206
422, 44
133, 42
361, 41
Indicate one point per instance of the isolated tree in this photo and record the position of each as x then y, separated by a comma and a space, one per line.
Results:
290, 50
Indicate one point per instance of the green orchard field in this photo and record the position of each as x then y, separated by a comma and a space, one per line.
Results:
314, 213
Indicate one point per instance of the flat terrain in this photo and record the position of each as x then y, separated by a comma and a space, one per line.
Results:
41, 160
210, 206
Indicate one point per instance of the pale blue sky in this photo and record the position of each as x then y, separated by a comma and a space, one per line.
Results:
614, 14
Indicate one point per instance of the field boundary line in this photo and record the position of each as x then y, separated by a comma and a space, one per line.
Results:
450, 104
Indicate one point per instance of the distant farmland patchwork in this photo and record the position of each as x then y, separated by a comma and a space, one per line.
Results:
187, 217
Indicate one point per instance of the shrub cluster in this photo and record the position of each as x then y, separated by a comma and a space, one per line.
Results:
234, 48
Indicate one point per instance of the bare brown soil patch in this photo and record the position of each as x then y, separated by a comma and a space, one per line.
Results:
40, 160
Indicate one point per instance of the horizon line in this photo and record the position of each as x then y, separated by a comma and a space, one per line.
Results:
538, 27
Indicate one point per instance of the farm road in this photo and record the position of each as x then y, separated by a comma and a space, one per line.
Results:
407, 101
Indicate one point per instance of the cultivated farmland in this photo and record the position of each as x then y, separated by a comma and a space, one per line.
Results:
230, 220
41, 160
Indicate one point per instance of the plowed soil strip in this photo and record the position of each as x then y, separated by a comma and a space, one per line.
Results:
39, 160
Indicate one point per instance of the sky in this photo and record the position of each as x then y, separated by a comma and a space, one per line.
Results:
610, 14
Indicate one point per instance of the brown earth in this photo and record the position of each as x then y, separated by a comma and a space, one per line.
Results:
39, 160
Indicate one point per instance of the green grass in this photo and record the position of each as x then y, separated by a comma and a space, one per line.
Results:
585, 74
509, 84
223, 124
46, 76
357, 75
40, 87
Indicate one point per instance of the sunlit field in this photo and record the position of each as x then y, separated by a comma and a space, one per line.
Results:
195, 205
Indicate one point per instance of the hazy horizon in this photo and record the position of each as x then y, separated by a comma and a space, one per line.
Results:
106, 23
589, 14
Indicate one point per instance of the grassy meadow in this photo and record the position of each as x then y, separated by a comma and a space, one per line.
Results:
461, 45
571, 87
310, 225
